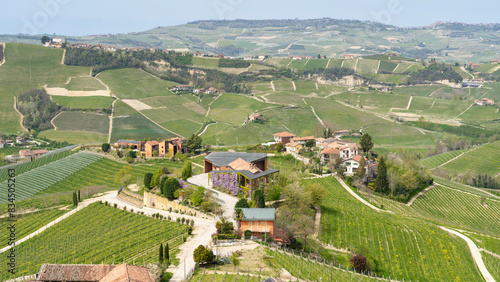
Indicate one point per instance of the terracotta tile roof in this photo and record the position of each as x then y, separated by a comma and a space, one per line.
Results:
330, 151
284, 134
96, 272
292, 144
305, 138
358, 158
29, 152
128, 273
153, 143
241, 164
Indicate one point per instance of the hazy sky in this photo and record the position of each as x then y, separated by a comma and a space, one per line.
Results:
77, 17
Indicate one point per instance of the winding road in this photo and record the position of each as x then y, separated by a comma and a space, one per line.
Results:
476, 254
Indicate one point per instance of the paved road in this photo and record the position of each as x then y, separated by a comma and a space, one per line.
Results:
224, 199
476, 254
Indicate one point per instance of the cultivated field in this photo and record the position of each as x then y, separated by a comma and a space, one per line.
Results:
133, 83
485, 159
402, 248
82, 121
43, 65
38, 179
97, 234
83, 102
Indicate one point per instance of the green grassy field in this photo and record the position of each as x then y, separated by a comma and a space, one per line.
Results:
37, 179
234, 109
74, 137
82, 121
387, 66
367, 66
434, 161
97, 234
277, 120
131, 83
26, 67
102, 173
402, 247
485, 159
122, 109
137, 127
83, 102
82, 83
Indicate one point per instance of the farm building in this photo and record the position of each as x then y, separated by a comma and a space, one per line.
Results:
259, 221
283, 137
132, 144
2, 143
484, 101
32, 153
251, 168
20, 140
93, 273
255, 117
181, 88
340, 133
166, 148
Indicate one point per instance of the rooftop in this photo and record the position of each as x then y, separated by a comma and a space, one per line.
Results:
284, 134
223, 158
256, 214
95, 272
128, 141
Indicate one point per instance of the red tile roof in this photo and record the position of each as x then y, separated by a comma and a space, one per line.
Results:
153, 143
96, 272
284, 134
330, 151
305, 138
292, 144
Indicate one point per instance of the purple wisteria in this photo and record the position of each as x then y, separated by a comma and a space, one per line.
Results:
225, 182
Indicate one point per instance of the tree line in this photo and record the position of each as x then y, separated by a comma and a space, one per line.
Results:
102, 60
434, 72
1, 53
233, 63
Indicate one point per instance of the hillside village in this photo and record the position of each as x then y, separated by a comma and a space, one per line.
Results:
248, 159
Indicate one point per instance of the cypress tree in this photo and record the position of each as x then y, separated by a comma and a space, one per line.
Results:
167, 253
160, 255
382, 182
75, 203
79, 196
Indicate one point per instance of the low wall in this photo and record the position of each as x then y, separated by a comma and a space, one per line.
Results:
157, 202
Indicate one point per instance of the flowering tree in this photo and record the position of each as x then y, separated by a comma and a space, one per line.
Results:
225, 182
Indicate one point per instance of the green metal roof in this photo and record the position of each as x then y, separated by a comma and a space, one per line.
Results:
258, 214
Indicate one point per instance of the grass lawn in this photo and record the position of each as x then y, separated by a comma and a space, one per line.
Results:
131, 83
82, 121
26, 67
83, 102
74, 137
